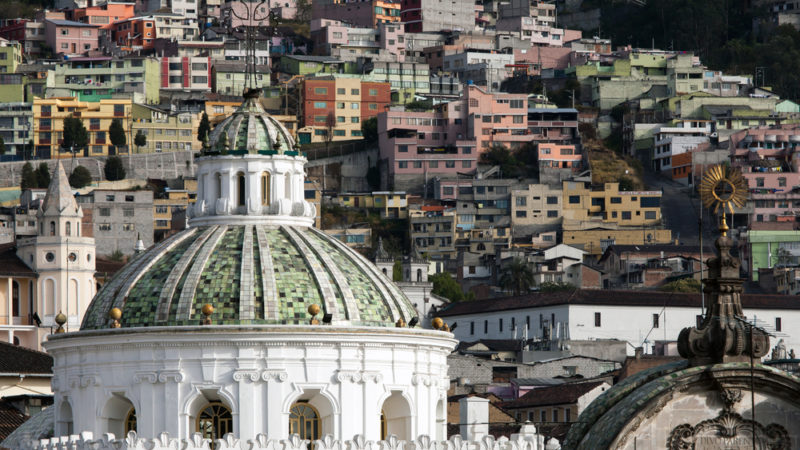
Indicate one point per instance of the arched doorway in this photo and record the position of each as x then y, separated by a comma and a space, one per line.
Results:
214, 421
304, 420
64, 424
120, 415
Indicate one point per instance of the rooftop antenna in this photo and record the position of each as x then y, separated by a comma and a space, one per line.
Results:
250, 14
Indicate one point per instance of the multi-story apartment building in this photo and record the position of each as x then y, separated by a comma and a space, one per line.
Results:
568, 158
365, 13
433, 232
348, 100
584, 205
165, 131
183, 8
670, 141
386, 42
29, 33
186, 73
536, 206
10, 55
103, 15
15, 129
391, 204
120, 218
230, 78
168, 210
425, 16
48, 125
533, 21
406, 78
134, 33
67, 37
95, 78
482, 68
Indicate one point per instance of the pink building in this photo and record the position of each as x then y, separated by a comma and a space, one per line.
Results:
769, 159
239, 14
66, 37
554, 156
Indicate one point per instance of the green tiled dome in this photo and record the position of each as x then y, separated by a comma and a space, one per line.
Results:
250, 130
251, 274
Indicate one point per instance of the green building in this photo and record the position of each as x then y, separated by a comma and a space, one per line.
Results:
306, 65
229, 78
10, 56
766, 248
95, 78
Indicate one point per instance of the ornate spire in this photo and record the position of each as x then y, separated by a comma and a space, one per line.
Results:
725, 335
59, 194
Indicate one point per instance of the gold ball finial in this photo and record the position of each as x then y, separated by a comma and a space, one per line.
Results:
446, 327
60, 319
313, 309
400, 323
437, 323
207, 310
115, 314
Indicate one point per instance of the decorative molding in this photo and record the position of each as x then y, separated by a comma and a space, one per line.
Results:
84, 381
246, 374
359, 376
276, 374
729, 430
161, 376
425, 379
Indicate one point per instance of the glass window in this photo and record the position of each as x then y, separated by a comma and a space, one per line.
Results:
320, 105
321, 91
214, 421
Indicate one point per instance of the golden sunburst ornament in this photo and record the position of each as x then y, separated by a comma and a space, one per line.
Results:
723, 186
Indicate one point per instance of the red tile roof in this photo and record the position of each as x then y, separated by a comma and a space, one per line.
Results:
561, 394
10, 419
11, 265
20, 360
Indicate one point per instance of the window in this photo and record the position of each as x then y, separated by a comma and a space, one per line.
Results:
555, 415
105, 212
650, 202
522, 214
626, 215
567, 415
199, 66
341, 91
472, 328
616, 200
781, 181
500, 325
373, 92
355, 92
485, 327
321, 91
214, 421
573, 199
466, 164
650, 215
433, 164
340, 119
353, 105
104, 227
339, 132
760, 182
655, 320
402, 148
552, 200
777, 324
552, 214
128, 227
402, 164
127, 212
597, 319
320, 105
355, 119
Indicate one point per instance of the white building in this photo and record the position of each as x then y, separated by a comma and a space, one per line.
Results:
637, 317
250, 321
675, 140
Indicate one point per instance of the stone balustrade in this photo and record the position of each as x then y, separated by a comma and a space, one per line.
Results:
527, 439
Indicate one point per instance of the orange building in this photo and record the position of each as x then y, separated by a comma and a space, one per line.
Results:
134, 33
682, 167
103, 15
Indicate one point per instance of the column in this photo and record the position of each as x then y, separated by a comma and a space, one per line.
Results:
253, 189
8, 305
226, 185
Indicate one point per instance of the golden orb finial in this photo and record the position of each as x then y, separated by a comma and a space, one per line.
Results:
400, 323
313, 309
446, 327
208, 310
437, 323
115, 314
60, 319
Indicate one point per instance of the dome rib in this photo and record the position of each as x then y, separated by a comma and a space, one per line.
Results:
351, 309
189, 290
324, 283
247, 301
165, 300
268, 284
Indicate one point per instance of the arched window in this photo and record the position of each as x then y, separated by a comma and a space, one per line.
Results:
214, 421
130, 421
240, 189
78, 229
419, 275
287, 193
218, 186
265, 188
52, 228
481, 247
383, 426
69, 228
384, 271
304, 420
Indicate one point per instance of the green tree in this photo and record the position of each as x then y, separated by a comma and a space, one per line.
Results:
626, 184
75, 136
203, 128
303, 10
555, 286
2, 146
369, 129
43, 176
446, 286
116, 133
114, 170
517, 277
29, 180
499, 155
397, 271
140, 140
80, 177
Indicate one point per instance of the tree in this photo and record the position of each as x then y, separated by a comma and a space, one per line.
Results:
446, 286
517, 277
555, 286
80, 177
682, 285
303, 10
203, 129
397, 271
499, 155
29, 180
43, 176
75, 135
369, 129
114, 170
117, 134
140, 140
2, 146
330, 124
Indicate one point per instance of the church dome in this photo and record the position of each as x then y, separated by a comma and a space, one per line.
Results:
250, 130
251, 275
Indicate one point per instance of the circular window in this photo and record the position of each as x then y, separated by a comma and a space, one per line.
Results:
73, 257
50, 257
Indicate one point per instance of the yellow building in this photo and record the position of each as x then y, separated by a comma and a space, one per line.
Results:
583, 204
48, 125
165, 131
392, 205
164, 209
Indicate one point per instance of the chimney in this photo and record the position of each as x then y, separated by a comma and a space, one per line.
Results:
638, 352
474, 418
